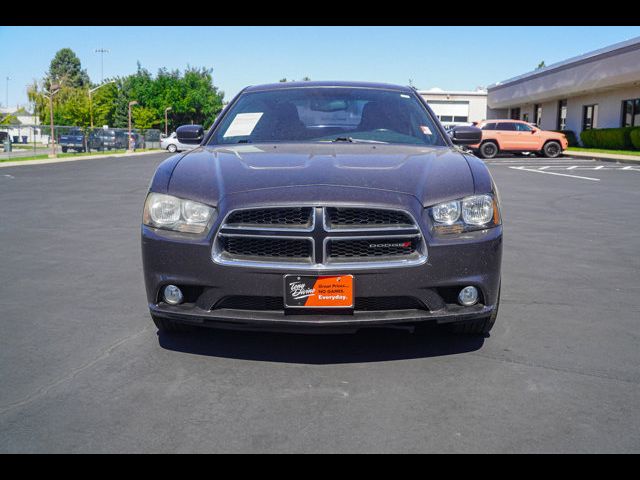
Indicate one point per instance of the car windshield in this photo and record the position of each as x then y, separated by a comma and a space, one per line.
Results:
327, 114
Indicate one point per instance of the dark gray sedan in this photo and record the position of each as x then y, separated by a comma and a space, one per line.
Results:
323, 206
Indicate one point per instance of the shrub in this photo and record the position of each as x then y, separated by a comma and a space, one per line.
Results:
571, 137
607, 138
635, 138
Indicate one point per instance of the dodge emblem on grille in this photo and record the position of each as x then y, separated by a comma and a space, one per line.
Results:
390, 245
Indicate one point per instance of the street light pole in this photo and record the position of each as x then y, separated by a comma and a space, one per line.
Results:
54, 90
131, 104
91, 98
102, 51
166, 131
7, 92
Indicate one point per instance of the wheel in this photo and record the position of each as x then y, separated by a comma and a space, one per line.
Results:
552, 149
172, 148
488, 150
168, 326
481, 326
64, 149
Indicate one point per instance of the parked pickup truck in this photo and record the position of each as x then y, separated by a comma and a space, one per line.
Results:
103, 140
74, 140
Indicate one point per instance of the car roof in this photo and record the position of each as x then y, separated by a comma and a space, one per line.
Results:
505, 120
311, 84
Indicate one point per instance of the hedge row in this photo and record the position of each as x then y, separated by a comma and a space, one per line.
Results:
611, 138
635, 138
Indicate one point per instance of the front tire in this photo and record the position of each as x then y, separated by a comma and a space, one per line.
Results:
552, 150
168, 326
172, 148
489, 150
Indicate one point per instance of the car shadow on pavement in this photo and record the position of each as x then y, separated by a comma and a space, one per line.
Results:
367, 345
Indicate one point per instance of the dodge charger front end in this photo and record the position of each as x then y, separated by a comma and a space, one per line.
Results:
323, 207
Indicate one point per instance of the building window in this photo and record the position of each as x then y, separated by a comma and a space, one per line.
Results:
460, 119
631, 113
562, 115
537, 112
589, 116
515, 114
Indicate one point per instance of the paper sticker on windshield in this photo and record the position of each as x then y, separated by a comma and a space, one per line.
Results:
243, 124
426, 130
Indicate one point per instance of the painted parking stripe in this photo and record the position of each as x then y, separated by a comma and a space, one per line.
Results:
603, 168
523, 169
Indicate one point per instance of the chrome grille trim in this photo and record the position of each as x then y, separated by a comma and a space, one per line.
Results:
276, 211
221, 257
319, 234
330, 227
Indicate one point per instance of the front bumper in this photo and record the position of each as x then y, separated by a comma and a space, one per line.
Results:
470, 259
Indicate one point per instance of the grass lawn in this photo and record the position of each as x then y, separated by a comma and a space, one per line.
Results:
602, 150
62, 155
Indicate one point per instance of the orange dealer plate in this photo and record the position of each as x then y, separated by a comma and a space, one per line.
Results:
306, 291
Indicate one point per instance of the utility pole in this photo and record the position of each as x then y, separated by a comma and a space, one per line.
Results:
131, 104
166, 121
102, 51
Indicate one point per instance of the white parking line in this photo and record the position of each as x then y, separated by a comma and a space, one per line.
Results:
523, 169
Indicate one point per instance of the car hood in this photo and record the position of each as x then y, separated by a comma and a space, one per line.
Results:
430, 174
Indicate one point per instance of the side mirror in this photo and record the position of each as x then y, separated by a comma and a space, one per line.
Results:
190, 134
464, 135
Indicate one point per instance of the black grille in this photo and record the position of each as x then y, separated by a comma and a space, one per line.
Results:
246, 302
281, 217
266, 247
372, 248
258, 303
388, 303
366, 217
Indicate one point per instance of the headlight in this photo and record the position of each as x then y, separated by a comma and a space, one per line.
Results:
172, 213
475, 212
447, 213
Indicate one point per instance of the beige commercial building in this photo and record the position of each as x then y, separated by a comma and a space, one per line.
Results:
600, 89
457, 107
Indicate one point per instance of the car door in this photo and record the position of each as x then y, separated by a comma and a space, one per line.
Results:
528, 137
507, 136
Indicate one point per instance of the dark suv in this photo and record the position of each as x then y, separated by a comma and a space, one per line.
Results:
323, 206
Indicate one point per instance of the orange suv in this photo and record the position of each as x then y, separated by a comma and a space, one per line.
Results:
516, 136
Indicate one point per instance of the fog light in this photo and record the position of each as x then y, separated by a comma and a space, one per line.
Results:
172, 295
468, 296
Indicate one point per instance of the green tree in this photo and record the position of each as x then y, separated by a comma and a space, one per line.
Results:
9, 119
541, 65
66, 69
104, 105
143, 117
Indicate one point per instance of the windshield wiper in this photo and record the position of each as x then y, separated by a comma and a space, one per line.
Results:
355, 140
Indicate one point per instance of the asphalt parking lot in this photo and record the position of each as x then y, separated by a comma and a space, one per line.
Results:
83, 369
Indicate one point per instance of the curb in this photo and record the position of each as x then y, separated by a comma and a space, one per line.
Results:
49, 161
605, 157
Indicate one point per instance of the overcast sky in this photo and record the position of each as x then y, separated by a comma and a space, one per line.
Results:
455, 58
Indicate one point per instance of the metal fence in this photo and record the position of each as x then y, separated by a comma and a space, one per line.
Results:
35, 140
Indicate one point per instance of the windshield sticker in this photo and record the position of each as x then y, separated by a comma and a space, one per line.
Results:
426, 130
243, 124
